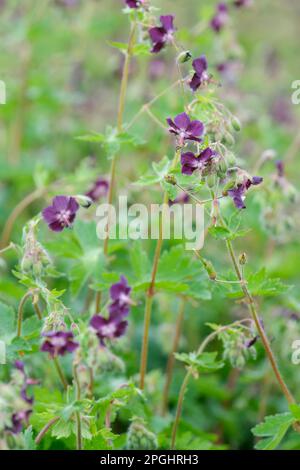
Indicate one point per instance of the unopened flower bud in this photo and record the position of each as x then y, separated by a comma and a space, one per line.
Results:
211, 181
236, 124
184, 57
171, 179
84, 201
208, 266
243, 259
228, 139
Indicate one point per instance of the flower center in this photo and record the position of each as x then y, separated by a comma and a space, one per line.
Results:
108, 330
64, 217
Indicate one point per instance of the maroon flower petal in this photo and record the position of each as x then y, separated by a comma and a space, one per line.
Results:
60, 203
168, 22
182, 121
200, 65
157, 34
195, 82
196, 128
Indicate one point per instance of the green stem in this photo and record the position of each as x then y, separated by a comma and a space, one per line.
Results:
252, 308
171, 359
20, 312
77, 414
45, 429
60, 373
151, 289
189, 373
121, 107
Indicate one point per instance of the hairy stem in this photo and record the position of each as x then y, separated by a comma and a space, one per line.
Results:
21, 310
45, 429
171, 359
252, 308
60, 373
189, 373
151, 289
121, 107
77, 414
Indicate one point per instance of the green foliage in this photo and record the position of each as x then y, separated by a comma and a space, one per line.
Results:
273, 429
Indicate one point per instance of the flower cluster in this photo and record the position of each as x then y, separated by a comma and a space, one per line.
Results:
221, 17
191, 162
114, 326
61, 213
58, 343
162, 35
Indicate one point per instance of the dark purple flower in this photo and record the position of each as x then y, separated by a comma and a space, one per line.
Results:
242, 3
190, 162
238, 194
251, 342
19, 419
26, 382
61, 214
59, 343
108, 328
134, 3
200, 75
119, 294
162, 35
183, 198
68, 3
185, 129
98, 190
280, 168
221, 17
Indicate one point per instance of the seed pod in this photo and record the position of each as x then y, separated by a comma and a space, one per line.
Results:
211, 181
228, 139
171, 179
243, 259
184, 57
236, 124
208, 266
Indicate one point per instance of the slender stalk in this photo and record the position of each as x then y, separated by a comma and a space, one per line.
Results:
29, 199
37, 310
121, 107
45, 429
252, 308
151, 289
171, 359
20, 312
189, 373
77, 414
179, 407
60, 373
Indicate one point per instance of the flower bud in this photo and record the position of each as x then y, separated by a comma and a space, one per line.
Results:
211, 181
208, 266
228, 139
236, 124
140, 438
84, 201
183, 57
243, 259
171, 179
